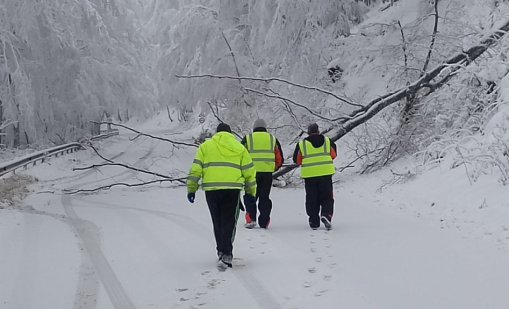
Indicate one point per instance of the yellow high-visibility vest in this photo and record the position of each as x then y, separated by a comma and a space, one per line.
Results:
222, 162
316, 161
261, 147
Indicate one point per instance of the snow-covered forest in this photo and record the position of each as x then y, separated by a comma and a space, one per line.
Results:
415, 94
66, 63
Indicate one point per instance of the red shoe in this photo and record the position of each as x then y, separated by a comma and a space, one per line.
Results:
250, 223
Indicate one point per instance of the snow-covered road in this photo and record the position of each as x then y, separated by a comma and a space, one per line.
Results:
148, 248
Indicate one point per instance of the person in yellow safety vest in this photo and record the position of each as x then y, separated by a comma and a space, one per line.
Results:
315, 154
225, 168
267, 155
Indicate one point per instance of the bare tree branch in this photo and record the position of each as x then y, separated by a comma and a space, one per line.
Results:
233, 56
294, 103
433, 38
123, 184
98, 154
271, 79
7, 123
403, 45
215, 112
288, 108
125, 166
144, 134
447, 68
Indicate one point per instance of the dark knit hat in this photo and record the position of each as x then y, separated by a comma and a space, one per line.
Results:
313, 129
223, 127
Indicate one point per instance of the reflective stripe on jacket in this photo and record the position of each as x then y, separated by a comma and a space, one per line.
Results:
261, 147
316, 161
222, 163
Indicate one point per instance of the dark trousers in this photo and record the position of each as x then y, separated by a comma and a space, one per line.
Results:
224, 211
319, 199
263, 186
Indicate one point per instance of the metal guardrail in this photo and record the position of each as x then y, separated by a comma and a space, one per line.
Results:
42, 155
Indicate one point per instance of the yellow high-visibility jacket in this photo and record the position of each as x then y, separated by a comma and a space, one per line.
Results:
222, 162
316, 161
261, 147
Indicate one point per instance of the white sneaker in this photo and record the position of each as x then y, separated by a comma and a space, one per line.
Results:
222, 266
250, 225
224, 262
326, 222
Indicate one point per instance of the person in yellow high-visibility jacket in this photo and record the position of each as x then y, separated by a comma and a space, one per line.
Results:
225, 168
267, 155
315, 154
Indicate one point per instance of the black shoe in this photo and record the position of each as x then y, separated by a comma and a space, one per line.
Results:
326, 222
314, 224
264, 225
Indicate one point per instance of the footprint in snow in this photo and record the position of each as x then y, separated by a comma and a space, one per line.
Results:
214, 283
320, 293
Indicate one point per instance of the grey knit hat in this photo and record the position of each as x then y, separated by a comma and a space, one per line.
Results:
259, 123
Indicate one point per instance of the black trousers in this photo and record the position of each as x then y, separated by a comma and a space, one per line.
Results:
224, 211
263, 186
319, 199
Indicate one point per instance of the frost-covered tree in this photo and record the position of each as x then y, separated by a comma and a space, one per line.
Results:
65, 62
247, 38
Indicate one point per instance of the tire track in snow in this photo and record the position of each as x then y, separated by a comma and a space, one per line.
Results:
252, 285
117, 294
94, 266
87, 232
262, 296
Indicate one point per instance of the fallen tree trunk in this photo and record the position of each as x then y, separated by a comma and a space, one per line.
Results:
447, 69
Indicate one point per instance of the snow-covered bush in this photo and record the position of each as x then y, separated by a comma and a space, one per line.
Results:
13, 189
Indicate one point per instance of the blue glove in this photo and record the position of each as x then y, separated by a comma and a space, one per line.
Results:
190, 197
249, 200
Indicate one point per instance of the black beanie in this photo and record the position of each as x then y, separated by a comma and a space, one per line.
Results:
313, 129
223, 127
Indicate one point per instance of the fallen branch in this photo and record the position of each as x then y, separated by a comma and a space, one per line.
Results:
288, 109
367, 112
99, 155
272, 79
123, 184
144, 134
274, 96
122, 165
